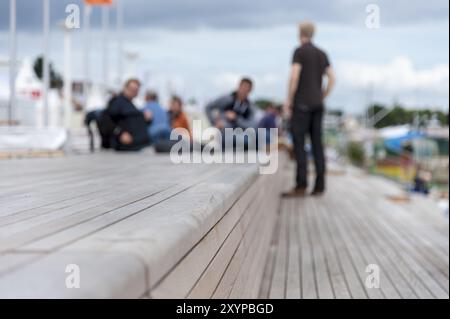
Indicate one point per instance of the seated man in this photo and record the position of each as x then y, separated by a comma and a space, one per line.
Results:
270, 121
129, 124
159, 130
234, 110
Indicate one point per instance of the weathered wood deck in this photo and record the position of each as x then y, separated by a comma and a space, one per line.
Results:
322, 246
137, 226
141, 227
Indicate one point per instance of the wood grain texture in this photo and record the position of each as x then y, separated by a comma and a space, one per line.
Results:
322, 246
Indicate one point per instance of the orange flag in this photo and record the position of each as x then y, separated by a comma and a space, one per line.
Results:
99, 2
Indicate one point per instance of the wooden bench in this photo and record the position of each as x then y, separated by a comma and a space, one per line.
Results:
136, 225
29, 154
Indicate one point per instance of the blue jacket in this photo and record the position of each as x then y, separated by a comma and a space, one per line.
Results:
160, 122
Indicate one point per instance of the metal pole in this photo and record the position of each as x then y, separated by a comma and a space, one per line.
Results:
12, 62
45, 61
67, 78
86, 30
105, 26
120, 24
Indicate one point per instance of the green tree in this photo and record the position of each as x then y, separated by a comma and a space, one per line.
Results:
264, 103
398, 115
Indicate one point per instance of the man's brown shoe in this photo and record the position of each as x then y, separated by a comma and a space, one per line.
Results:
318, 193
295, 193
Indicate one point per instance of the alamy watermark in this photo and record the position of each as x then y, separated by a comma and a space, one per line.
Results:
373, 19
373, 279
73, 16
74, 277
228, 146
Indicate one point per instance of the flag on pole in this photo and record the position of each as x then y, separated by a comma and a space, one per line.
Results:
12, 61
99, 2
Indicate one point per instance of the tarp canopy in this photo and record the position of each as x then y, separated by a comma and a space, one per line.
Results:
397, 143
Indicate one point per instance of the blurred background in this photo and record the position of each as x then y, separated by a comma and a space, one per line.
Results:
388, 115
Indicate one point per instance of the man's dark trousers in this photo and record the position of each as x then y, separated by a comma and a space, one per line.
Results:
308, 121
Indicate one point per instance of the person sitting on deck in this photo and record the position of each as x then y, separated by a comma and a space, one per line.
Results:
234, 111
178, 118
129, 124
422, 181
269, 121
159, 129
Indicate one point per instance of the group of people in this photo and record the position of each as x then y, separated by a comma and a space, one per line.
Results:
124, 127
133, 129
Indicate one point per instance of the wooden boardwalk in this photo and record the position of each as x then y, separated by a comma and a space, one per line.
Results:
136, 225
322, 246
139, 226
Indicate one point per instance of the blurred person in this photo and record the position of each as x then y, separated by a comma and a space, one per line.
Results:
270, 121
159, 128
129, 132
422, 181
178, 118
305, 108
234, 110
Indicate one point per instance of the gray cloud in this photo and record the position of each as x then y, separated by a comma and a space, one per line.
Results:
188, 14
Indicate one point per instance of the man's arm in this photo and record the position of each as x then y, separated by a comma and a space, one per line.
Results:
294, 78
248, 122
331, 81
214, 107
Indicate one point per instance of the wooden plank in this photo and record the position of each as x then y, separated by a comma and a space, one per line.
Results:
74, 224
353, 280
366, 258
337, 276
270, 263
307, 266
254, 285
323, 281
228, 280
412, 254
207, 284
236, 277
182, 279
10, 262
102, 275
248, 282
402, 221
390, 246
204, 201
278, 286
389, 270
420, 290
293, 287
30, 154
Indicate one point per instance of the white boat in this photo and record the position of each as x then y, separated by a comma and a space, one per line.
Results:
31, 133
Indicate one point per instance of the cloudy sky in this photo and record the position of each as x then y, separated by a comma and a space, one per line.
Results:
201, 47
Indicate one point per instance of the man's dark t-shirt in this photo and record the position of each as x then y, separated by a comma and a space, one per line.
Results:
314, 63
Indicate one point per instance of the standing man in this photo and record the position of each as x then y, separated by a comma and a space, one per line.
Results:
305, 107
